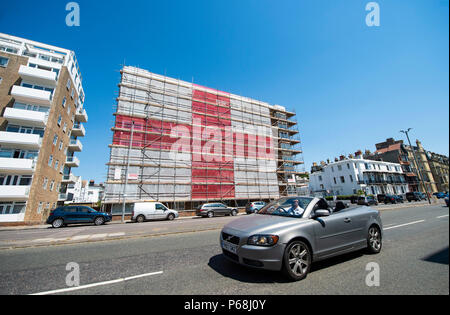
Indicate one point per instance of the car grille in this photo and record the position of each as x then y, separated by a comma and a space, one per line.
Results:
230, 238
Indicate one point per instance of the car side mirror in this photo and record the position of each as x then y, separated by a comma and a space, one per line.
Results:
321, 213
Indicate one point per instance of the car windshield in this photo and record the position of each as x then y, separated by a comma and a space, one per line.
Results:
287, 207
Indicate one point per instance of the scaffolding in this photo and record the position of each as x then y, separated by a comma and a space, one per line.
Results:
165, 111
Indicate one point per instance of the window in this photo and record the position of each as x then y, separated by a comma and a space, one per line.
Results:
72, 93
334, 178
59, 120
68, 109
4, 62
1, 80
320, 178
56, 164
52, 185
64, 102
332, 169
44, 185
39, 209
65, 127
50, 160
351, 178
60, 145
339, 167
55, 139
68, 84
348, 165
342, 179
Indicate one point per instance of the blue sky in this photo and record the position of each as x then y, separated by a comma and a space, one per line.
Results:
351, 85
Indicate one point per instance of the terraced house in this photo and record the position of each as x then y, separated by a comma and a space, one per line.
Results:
41, 116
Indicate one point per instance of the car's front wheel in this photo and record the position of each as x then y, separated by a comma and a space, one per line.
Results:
99, 220
210, 214
58, 223
297, 260
171, 217
374, 242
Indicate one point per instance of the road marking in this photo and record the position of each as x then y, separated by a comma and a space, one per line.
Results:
397, 226
98, 236
442, 216
81, 287
80, 237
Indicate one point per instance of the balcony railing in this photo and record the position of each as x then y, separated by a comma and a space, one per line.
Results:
20, 140
75, 145
17, 166
38, 76
78, 130
81, 115
14, 193
25, 117
72, 161
30, 95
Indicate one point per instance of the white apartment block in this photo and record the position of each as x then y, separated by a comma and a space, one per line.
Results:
348, 176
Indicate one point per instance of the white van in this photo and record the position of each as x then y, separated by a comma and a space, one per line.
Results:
152, 211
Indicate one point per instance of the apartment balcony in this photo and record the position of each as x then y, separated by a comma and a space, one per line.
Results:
72, 161
81, 115
25, 117
14, 193
78, 130
17, 166
32, 96
38, 76
69, 179
20, 140
75, 145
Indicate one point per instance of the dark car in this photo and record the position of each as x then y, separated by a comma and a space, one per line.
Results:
63, 216
393, 199
440, 195
380, 197
214, 209
367, 201
447, 201
416, 196
253, 207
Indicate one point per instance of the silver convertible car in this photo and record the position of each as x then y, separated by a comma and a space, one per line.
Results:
291, 233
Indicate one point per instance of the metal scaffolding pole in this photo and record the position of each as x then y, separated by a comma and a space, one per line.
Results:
126, 172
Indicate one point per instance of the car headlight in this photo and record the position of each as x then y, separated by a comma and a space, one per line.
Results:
262, 240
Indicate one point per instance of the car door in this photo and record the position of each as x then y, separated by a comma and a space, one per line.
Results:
333, 233
160, 211
223, 209
70, 214
84, 215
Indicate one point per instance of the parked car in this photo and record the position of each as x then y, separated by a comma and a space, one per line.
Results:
440, 195
367, 201
380, 197
393, 199
63, 216
447, 201
277, 238
144, 211
253, 207
213, 209
415, 195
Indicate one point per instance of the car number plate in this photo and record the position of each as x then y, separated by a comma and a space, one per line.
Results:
229, 247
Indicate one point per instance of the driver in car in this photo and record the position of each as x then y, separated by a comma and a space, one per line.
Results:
296, 209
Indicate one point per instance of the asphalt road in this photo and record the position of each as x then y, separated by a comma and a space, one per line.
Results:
414, 260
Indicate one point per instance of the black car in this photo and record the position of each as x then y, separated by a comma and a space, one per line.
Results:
63, 216
416, 196
380, 197
393, 199
214, 209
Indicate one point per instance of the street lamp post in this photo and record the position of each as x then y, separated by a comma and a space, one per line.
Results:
417, 164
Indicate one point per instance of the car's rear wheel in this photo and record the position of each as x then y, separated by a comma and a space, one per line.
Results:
297, 260
140, 218
58, 223
374, 242
233, 212
99, 220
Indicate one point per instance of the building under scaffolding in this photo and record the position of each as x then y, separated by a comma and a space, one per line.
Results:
184, 144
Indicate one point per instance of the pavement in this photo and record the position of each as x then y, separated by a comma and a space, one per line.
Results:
414, 260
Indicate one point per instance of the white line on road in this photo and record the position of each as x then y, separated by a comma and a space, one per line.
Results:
397, 226
442, 216
81, 287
